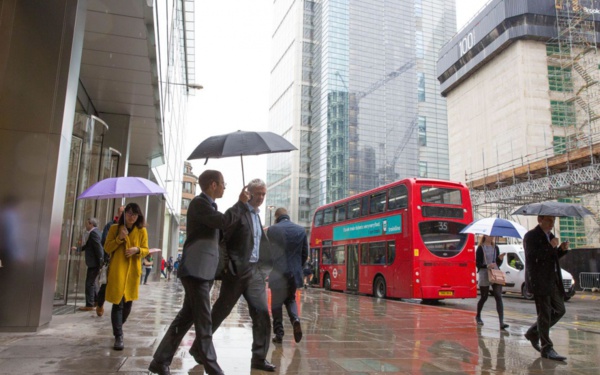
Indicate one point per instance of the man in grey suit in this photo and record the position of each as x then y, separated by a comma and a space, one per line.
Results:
249, 260
197, 272
289, 249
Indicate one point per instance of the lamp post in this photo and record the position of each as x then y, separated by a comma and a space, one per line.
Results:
271, 208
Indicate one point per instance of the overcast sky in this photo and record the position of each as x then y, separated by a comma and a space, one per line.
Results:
233, 39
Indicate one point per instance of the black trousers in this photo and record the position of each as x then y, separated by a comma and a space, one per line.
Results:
283, 295
91, 293
252, 286
550, 308
484, 291
196, 311
118, 316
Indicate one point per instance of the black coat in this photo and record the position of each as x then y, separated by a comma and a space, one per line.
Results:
289, 250
94, 252
480, 260
541, 262
239, 241
204, 225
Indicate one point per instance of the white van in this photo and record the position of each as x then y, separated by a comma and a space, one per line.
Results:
514, 268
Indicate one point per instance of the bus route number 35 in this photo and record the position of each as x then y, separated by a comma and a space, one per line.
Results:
443, 226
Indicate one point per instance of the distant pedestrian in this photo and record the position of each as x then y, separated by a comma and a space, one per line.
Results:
308, 272
169, 267
163, 269
94, 258
147, 263
487, 256
289, 250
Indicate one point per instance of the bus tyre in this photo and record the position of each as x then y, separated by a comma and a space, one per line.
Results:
528, 296
326, 282
379, 287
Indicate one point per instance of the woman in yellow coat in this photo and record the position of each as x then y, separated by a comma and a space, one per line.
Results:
127, 245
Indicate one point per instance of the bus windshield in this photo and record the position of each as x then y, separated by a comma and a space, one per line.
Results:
443, 238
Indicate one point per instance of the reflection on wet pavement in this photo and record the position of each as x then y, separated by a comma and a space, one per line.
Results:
343, 334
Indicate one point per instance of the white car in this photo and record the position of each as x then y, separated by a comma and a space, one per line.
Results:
514, 268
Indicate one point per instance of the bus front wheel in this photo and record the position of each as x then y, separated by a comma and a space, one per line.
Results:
326, 282
379, 287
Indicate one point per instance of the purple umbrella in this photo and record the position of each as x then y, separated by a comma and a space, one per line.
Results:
121, 187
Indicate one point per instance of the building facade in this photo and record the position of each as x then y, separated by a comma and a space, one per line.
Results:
354, 87
108, 100
188, 192
521, 86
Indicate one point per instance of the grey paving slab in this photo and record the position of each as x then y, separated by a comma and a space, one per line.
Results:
343, 334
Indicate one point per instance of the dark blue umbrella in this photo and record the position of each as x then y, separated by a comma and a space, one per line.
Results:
241, 143
553, 209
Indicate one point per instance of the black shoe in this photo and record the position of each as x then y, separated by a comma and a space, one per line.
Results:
297, 331
277, 339
262, 364
159, 368
535, 341
503, 326
479, 321
194, 353
118, 345
553, 355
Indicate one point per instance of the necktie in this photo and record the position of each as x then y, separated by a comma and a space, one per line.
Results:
214, 204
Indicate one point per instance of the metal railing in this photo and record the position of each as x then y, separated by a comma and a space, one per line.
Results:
589, 280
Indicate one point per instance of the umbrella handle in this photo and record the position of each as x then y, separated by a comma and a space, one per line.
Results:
243, 176
205, 161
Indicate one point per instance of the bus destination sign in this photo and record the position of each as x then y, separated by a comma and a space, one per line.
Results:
369, 228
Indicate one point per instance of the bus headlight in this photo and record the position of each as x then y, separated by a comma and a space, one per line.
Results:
418, 281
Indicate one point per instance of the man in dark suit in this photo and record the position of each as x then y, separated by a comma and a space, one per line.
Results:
543, 278
249, 257
94, 257
289, 250
197, 272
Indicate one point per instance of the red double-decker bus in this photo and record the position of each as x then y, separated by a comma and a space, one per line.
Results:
401, 240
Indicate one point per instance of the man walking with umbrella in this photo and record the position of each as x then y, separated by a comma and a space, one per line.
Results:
197, 272
543, 278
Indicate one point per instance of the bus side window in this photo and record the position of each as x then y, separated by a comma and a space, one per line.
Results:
377, 253
391, 252
326, 256
340, 213
398, 198
364, 253
365, 206
377, 203
328, 216
318, 220
354, 209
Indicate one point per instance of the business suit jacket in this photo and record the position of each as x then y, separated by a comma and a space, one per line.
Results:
289, 250
94, 252
239, 242
541, 262
200, 256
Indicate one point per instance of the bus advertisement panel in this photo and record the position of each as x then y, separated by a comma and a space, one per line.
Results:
401, 240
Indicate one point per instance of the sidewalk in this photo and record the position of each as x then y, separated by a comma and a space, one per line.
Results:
343, 334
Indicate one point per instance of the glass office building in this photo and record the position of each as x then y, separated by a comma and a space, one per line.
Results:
354, 88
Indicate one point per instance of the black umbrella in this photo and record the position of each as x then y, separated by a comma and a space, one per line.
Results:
553, 209
241, 143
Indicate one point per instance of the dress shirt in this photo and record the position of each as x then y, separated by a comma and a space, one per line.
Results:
257, 232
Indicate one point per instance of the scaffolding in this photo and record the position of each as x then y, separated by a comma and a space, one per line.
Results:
569, 169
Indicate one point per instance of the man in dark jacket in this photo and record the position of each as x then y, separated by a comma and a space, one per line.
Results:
543, 278
249, 256
197, 272
289, 250
94, 258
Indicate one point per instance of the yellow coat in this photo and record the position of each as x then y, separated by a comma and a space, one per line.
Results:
124, 273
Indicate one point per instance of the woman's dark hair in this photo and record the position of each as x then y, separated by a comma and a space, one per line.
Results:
133, 208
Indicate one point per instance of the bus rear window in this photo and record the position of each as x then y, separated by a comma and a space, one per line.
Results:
430, 194
443, 238
318, 220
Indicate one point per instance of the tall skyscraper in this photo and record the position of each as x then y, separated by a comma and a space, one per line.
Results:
353, 86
